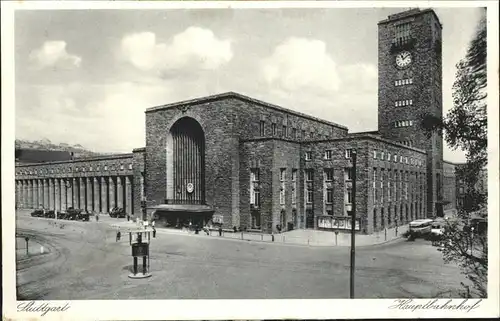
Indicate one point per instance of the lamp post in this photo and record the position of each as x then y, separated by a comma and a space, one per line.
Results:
353, 224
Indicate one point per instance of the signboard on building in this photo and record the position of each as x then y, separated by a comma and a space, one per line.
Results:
339, 223
217, 219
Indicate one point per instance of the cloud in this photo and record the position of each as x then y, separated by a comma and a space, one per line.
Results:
299, 63
105, 117
193, 48
54, 54
360, 77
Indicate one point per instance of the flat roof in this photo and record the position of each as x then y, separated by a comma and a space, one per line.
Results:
371, 137
83, 159
235, 95
409, 13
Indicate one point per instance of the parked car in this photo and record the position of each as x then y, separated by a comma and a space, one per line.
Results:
117, 212
437, 227
420, 228
37, 213
72, 214
50, 214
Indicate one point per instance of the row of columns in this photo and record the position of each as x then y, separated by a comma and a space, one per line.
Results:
97, 194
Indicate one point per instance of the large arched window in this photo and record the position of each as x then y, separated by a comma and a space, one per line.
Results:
186, 163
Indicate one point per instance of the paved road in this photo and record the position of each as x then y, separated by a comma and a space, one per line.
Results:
86, 262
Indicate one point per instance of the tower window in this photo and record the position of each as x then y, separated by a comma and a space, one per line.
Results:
348, 153
402, 33
328, 154
375, 154
273, 126
283, 131
308, 155
402, 103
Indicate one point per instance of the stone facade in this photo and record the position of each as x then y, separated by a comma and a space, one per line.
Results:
260, 166
94, 184
422, 95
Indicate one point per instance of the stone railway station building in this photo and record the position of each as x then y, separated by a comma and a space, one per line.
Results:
242, 162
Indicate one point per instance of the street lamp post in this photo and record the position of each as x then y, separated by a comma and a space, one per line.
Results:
353, 223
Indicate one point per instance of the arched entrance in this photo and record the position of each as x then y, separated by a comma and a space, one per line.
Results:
185, 179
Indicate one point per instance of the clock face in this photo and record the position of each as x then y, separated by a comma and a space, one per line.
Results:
403, 59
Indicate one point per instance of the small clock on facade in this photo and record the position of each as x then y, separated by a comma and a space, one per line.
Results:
403, 59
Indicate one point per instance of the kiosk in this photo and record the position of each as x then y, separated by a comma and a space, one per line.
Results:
139, 240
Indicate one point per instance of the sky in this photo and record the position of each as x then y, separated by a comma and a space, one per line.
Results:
87, 76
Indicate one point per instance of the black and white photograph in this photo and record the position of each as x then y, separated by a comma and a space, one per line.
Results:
250, 160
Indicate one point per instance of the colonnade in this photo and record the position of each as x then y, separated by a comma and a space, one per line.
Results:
94, 194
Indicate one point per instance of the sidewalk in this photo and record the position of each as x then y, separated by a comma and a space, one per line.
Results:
302, 237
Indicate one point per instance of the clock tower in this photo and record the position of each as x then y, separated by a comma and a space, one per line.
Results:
409, 86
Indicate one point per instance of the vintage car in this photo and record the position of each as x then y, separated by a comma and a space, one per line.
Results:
117, 212
50, 214
83, 216
419, 228
38, 213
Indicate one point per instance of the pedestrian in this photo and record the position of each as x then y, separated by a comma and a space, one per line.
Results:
97, 217
220, 230
128, 217
190, 225
153, 223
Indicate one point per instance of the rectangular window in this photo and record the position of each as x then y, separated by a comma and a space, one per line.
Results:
282, 196
348, 173
262, 128
349, 196
329, 174
348, 153
394, 186
309, 199
255, 219
382, 155
254, 174
282, 174
329, 195
388, 186
294, 133
283, 131
282, 187
273, 126
308, 155
382, 175
374, 185
374, 154
254, 189
309, 175
388, 156
257, 198
303, 135
294, 186
402, 33
328, 154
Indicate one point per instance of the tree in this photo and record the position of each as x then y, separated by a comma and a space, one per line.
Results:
465, 127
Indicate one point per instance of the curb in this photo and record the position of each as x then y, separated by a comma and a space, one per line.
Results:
165, 231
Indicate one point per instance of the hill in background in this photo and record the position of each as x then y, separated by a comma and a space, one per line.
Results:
45, 144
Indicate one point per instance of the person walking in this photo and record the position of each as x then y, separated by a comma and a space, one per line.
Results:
97, 217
